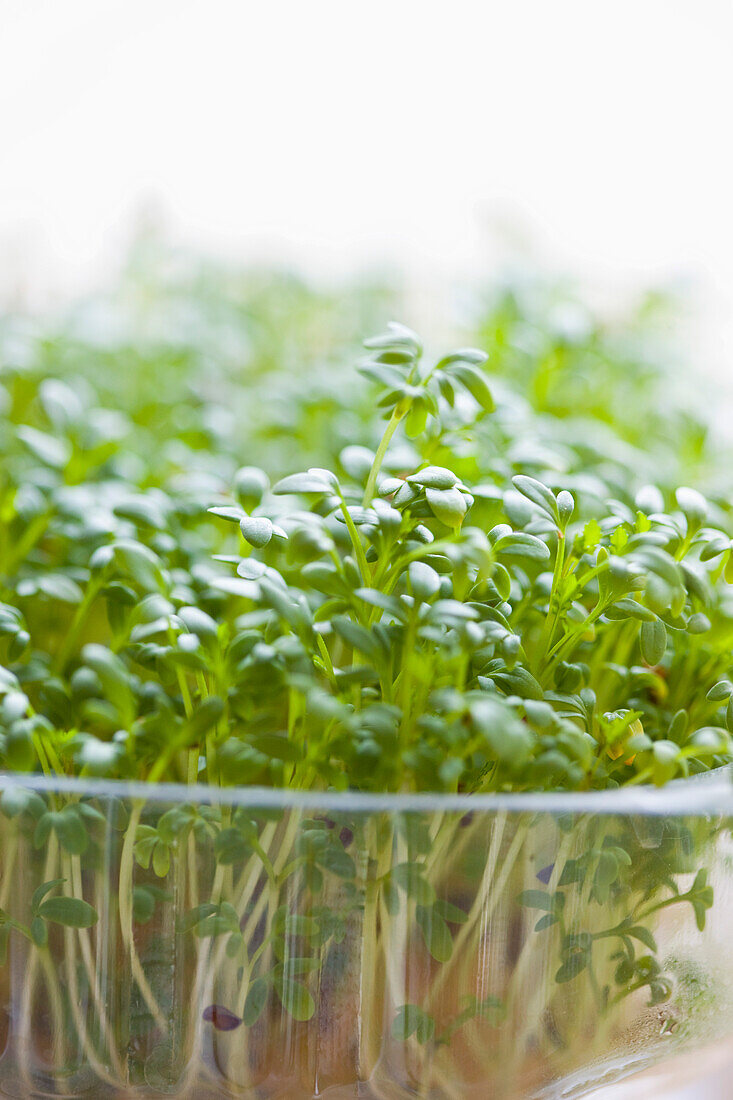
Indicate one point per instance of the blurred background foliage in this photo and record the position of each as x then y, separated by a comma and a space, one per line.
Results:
206, 367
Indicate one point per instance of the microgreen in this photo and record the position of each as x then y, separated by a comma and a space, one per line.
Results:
461, 574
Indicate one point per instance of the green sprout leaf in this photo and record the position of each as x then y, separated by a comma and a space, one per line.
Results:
296, 999
71, 912
412, 1020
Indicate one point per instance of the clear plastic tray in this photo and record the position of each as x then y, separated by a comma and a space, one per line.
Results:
246, 943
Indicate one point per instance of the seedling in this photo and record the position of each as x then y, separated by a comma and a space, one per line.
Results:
438, 607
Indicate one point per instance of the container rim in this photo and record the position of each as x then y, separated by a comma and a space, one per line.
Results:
705, 795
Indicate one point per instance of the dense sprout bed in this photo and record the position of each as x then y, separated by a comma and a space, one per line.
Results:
229, 555
237, 550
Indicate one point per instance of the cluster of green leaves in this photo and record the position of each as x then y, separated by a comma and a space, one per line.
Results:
218, 564
460, 602
625, 864
71, 912
593, 912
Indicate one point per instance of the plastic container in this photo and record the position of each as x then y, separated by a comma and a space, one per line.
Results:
191, 942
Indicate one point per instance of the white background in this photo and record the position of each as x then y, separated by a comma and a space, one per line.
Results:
592, 138
588, 137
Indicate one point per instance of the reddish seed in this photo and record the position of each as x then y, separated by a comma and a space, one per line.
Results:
346, 836
221, 1018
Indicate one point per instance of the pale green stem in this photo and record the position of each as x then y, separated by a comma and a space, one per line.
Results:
127, 862
389, 431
